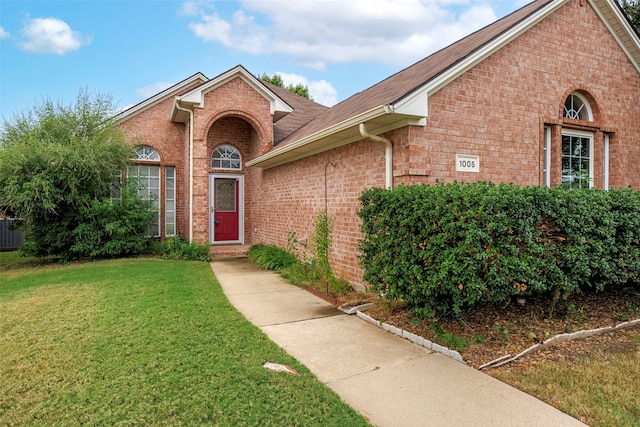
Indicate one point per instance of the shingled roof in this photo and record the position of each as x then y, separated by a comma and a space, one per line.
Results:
401, 84
303, 112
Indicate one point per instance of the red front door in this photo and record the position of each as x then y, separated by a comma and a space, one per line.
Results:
225, 206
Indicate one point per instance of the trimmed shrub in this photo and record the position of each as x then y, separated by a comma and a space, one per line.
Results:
178, 248
449, 247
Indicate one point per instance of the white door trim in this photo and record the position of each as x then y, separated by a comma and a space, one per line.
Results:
240, 179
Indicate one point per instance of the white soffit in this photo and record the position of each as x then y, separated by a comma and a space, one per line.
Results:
381, 119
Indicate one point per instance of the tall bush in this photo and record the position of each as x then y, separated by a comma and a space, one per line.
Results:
57, 166
448, 247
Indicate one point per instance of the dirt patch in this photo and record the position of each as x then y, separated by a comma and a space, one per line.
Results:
490, 333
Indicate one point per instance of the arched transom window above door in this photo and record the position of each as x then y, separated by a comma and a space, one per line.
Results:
577, 107
226, 157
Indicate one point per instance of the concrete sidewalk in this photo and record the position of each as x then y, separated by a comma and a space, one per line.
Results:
386, 378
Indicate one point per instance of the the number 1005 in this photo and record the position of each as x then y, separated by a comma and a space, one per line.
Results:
467, 163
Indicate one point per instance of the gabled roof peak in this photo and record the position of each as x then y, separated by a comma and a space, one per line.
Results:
196, 97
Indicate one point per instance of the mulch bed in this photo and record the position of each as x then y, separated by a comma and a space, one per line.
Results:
492, 332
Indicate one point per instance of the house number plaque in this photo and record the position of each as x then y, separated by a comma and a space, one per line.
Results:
466, 163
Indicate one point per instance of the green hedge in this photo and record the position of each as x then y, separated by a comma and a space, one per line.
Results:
449, 247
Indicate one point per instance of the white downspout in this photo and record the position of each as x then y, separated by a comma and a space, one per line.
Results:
388, 154
190, 166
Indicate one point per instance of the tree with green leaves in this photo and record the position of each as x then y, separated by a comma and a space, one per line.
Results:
632, 9
276, 79
57, 169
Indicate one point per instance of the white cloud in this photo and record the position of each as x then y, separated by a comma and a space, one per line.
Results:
152, 89
3, 34
321, 91
317, 32
190, 8
51, 35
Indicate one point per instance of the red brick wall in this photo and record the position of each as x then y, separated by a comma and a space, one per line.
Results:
234, 114
239, 133
152, 128
497, 110
291, 196
237, 115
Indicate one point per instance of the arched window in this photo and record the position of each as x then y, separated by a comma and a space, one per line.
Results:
226, 157
577, 107
144, 152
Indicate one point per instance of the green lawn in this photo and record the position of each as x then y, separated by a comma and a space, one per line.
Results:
142, 342
600, 389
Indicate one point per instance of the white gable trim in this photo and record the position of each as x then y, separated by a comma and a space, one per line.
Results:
196, 97
170, 92
415, 104
619, 27
490, 48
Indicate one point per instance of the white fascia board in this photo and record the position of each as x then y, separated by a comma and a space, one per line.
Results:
158, 98
490, 48
353, 121
416, 104
196, 97
630, 46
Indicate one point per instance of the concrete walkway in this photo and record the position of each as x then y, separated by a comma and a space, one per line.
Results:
386, 378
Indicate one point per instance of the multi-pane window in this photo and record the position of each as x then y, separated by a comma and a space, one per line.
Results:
577, 160
577, 146
116, 188
226, 157
147, 178
170, 201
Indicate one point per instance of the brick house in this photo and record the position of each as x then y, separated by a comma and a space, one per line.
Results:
548, 95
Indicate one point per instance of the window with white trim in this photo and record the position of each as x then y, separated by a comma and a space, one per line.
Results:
144, 152
605, 161
226, 157
577, 159
547, 156
147, 177
577, 107
170, 201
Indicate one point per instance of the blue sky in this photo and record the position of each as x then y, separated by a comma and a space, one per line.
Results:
134, 49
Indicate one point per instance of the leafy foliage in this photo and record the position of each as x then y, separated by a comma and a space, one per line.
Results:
448, 247
178, 248
111, 229
632, 9
321, 241
276, 79
271, 257
57, 165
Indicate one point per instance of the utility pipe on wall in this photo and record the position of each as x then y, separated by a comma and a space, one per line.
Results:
388, 154
190, 166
